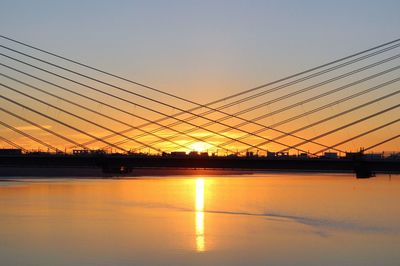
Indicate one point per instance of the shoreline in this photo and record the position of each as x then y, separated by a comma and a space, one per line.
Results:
48, 172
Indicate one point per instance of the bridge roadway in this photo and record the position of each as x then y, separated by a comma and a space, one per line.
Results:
117, 164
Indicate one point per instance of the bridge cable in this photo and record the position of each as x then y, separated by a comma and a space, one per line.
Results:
113, 85
211, 103
57, 121
343, 112
310, 100
360, 135
382, 142
235, 115
30, 137
142, 106
74, 115
99, 102
91, 78
327, 106
253, 121
13, 144
114, 75
348, 125
93, 111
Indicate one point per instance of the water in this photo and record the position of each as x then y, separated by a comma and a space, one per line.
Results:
271, 219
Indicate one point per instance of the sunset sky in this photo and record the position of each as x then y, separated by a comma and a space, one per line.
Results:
203, 51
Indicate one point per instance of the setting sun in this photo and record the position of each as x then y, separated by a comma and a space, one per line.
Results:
200, 146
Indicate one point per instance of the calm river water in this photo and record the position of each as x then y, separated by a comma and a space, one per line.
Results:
266, 219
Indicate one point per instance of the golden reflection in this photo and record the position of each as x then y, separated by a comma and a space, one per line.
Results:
200, 241
200, 194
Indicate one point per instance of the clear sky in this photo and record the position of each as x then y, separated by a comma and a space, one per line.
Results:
202, 50
185, 46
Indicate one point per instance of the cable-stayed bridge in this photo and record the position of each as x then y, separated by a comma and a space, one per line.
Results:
54, 105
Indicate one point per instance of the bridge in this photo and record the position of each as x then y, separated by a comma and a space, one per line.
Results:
338, 116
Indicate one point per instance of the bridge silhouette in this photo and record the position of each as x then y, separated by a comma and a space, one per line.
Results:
56, 105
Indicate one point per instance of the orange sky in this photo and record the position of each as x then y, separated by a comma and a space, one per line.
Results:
201, 52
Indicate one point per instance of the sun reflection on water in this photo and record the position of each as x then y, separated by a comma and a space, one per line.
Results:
200, 240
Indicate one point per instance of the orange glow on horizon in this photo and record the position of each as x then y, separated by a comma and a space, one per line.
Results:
200, 146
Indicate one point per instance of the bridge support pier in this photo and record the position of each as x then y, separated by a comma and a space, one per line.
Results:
362, 170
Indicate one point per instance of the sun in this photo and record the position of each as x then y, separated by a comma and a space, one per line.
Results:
200, 146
